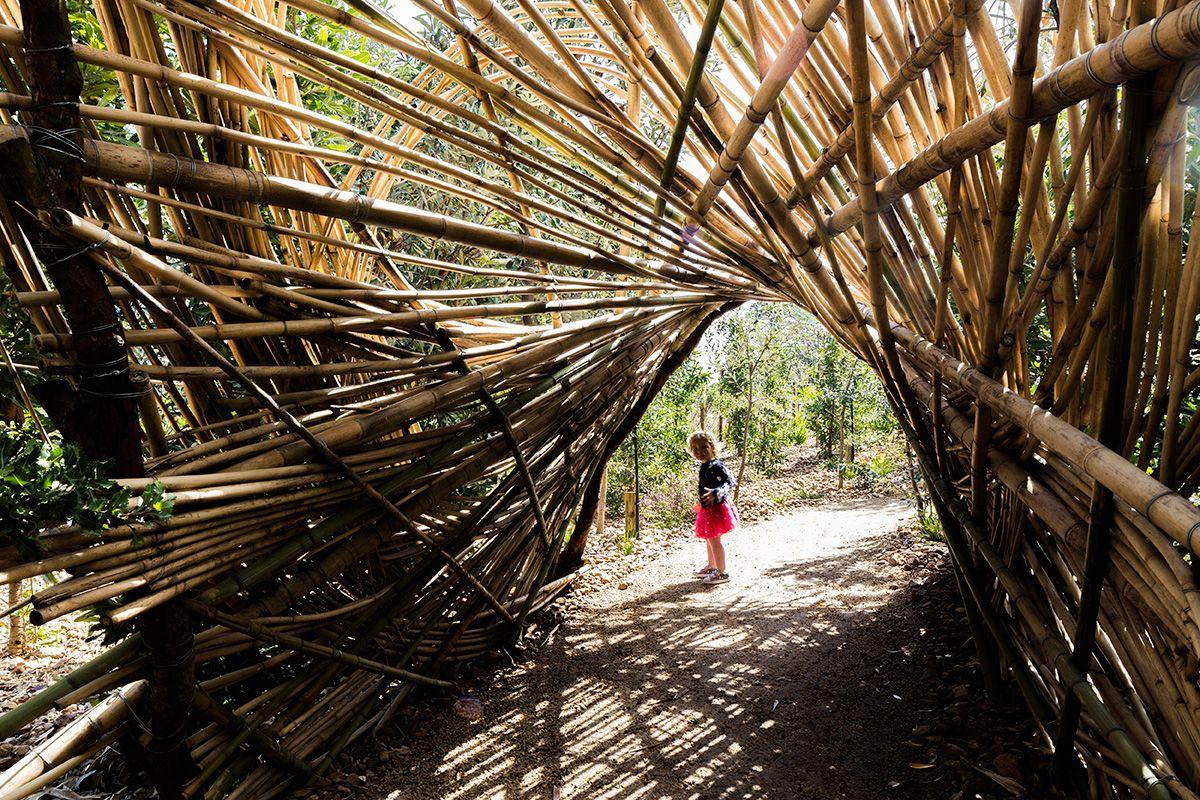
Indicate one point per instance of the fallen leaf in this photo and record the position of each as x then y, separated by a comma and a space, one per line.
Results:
1006, 783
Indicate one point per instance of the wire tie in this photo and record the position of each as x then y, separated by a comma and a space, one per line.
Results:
175, 171
43, 137
72, 253
1155, 499
58, 48
107, 327
1187, 540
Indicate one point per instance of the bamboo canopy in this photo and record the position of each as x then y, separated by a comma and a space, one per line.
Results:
375, 296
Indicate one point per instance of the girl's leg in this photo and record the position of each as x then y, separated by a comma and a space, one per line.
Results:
708, 545
717, 553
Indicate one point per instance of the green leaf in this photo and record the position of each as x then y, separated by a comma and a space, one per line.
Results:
51, 484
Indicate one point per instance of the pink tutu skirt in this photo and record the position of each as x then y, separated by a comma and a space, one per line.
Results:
715, 520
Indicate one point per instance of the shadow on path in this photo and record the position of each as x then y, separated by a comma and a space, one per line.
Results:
790, 681
752, 700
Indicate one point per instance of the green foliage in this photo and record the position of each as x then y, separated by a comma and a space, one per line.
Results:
1039, 344
676, 509
55, 484
796, 494
16, 328
759, 351
16, 334
880, 466
931, 526
844, 403
662, 434
765, 377
869, 473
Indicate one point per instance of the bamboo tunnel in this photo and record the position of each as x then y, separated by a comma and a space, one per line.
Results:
380, 295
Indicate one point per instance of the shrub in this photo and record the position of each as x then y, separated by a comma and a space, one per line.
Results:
931, 526
881, 466
54, 483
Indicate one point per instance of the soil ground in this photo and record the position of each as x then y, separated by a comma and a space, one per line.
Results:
834, 664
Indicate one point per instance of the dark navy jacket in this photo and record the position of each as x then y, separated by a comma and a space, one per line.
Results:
713, 475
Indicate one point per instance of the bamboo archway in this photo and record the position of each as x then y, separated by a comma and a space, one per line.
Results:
375, 298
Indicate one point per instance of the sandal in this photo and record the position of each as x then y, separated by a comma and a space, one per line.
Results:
716, 577
700, 573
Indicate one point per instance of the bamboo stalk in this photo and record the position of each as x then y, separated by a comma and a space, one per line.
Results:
298, 428
1140, 50
1130, 214
788, 60
687, 101
295, 643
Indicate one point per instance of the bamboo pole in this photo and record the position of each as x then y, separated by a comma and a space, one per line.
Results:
1140, 50
297, 427
788, 60
1130, 214
687, 101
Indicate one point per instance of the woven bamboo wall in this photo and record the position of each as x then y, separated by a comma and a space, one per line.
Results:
377, 307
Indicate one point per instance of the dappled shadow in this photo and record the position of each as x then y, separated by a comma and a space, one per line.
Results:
789, 685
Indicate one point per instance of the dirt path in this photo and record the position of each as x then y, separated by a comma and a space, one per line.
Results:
790, 681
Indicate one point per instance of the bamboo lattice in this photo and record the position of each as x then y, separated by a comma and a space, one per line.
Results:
380, 356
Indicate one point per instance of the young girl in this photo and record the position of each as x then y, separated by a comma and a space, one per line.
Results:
715, 515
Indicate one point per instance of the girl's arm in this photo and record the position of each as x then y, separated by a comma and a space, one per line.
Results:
726, 486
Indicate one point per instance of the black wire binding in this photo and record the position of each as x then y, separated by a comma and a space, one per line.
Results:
56, 141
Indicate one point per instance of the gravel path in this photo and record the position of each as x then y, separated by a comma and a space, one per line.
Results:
789, 681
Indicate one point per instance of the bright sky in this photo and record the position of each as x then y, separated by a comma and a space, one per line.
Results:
405, 11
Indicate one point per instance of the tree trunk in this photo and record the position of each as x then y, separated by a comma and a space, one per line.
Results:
853, 452
745, 434
842, 449
101, 413
602, 508
762, 445
912, 476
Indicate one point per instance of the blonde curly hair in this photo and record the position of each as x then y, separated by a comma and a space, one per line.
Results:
700, 444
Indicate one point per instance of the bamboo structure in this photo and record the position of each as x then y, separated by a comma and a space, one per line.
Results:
374, 296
